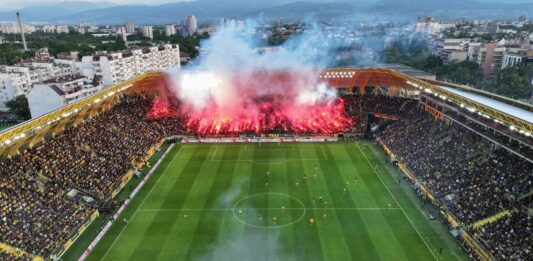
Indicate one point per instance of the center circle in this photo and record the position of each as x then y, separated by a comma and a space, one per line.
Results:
269, 210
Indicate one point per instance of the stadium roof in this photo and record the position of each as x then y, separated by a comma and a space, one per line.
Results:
508, 111
407, 70
495, 104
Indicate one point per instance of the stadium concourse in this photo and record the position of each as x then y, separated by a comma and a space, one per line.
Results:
468, 157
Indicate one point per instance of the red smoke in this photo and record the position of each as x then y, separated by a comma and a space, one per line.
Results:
262, 102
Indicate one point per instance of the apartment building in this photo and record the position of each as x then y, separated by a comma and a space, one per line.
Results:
19, 79
429, 26
57, 92
148, 31
451, 50
515, 56
170, 30
490, 58
118, 67
13, 28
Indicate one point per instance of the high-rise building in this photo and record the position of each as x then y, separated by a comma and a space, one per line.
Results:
493, 27
49, 29
13, 28
121, 31
130, 28
427, 25
232, 24
490, 58
80, 29
148, 31
191, 25
170, 30
62, 29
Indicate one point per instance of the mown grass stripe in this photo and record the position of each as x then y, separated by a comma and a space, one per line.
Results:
252, 237
205, 234
325, 249
416, 238
132, 212
157, 231
229, 235
355, 233
295, 234
390, 247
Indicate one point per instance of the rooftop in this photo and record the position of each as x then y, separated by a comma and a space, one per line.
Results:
410, 71
64, 79
494, 104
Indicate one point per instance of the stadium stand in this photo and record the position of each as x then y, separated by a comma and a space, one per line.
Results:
511, 238
468, 174
91, 157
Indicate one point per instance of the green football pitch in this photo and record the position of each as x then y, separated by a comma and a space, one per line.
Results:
321, 201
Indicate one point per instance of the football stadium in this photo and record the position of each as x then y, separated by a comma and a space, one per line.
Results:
347, 163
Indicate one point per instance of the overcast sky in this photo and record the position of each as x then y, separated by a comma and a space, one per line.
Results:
14, 4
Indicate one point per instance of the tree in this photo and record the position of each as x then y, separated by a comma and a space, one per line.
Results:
514, 82
12, 53
19, 106
465, 72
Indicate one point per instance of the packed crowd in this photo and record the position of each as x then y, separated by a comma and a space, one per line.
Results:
510, 238
35, 214
360, 106
467, 173
4, 255
478, 123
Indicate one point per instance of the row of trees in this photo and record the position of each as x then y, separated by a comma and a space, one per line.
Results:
87, 44
514, 82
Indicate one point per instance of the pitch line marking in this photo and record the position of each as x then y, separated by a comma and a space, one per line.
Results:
276, 148
323, 151
397, 203
245, 209
269, 193
265, 162
214, 153
142, 202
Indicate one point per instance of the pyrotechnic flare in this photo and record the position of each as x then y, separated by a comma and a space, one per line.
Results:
236, 90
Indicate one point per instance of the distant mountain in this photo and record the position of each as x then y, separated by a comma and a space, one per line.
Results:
422, 5
211, 10
166, 13
50, 12
303, 9
451, 8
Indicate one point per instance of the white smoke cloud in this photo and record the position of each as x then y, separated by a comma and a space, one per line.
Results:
229, 53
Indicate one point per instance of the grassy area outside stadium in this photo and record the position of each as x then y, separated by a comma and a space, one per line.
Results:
217, 202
